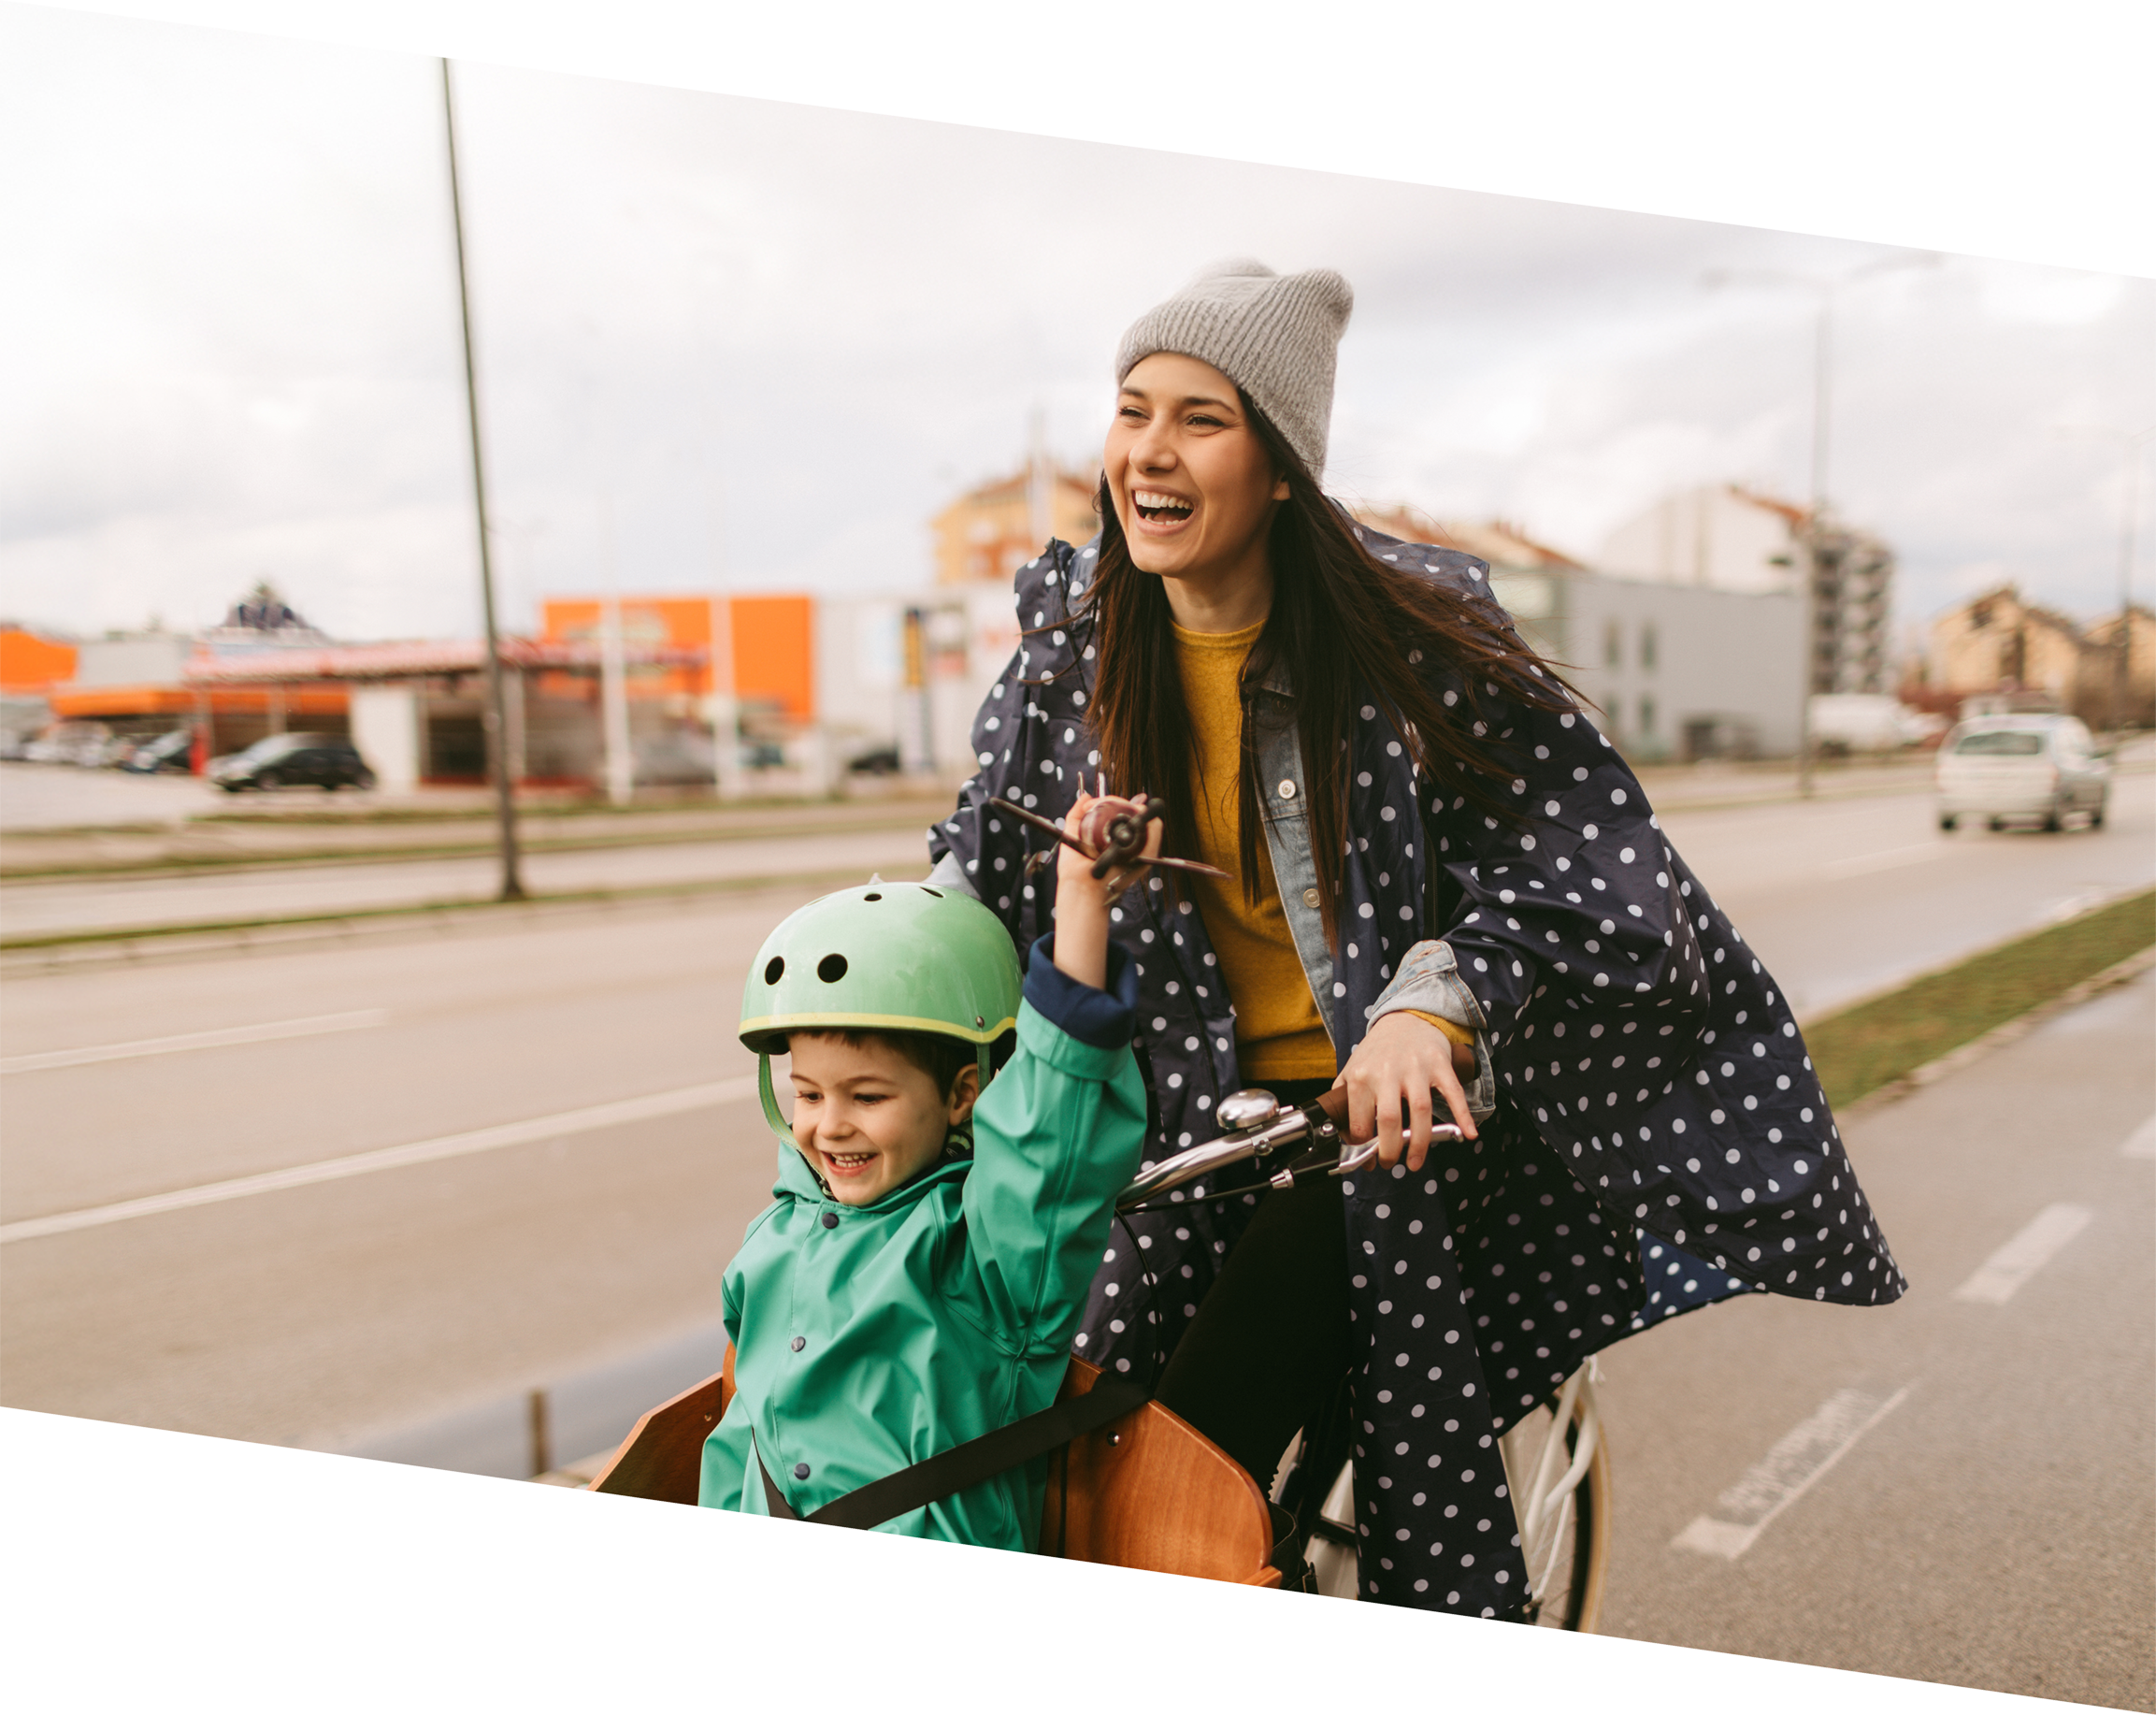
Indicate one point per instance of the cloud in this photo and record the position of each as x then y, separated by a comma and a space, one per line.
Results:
741, 341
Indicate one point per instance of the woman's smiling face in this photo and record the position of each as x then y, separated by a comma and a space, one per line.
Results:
1193, 485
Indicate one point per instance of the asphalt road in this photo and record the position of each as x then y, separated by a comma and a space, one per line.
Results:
1841, 897
1990, 1528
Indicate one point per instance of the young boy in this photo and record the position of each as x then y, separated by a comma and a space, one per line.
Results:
912, 1289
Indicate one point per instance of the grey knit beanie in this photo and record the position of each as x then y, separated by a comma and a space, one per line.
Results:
1274, 336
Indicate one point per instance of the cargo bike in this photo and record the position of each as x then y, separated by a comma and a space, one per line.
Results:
1146, 1489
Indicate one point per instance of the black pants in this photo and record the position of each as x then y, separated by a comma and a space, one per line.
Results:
1270, 1344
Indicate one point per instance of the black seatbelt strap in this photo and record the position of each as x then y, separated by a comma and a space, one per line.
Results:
966, 1464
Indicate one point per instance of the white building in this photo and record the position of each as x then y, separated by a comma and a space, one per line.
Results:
1722, 537
1679, 670
1719, 537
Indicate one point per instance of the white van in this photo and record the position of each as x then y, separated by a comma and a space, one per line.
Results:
2002, 768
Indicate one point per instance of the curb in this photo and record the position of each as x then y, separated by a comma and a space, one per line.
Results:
2088, 988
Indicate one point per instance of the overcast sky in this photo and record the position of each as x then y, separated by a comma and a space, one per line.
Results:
724, 342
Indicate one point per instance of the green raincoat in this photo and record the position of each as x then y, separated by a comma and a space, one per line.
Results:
867, 1339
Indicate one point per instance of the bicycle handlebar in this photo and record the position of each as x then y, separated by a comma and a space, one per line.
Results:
1256, 1126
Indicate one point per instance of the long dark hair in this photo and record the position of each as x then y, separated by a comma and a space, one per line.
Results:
1345, 626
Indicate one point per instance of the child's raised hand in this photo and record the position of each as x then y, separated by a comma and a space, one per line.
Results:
1074, 869
1081, 903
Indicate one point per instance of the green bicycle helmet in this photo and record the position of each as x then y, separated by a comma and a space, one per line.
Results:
892, 956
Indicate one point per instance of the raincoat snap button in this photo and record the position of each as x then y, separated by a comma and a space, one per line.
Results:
799, 1341
831, 1219
1309, 898
799, 1472
1288, 789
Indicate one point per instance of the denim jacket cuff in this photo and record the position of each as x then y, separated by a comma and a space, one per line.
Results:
1428, 980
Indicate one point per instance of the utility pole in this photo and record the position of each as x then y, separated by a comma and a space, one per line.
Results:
1040, 484
497, 758
1827, 289
2130, 441
613, 682
2129, 534
1816, 520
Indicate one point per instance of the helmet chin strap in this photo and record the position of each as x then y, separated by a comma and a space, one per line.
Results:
771, 1096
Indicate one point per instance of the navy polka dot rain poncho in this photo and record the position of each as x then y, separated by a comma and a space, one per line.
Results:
1661, 1141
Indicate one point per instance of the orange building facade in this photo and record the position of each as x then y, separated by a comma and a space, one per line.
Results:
30, 665
768, 641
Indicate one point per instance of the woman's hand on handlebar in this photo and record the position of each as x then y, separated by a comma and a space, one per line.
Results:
1401, 1062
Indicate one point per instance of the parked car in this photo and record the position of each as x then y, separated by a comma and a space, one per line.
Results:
293, 760
2002, 768
879, 762
72, 743
168, 753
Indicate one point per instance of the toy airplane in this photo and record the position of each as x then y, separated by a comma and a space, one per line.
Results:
1112, 835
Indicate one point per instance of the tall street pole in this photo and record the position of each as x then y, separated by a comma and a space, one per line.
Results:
1808, 586
497, 756
2129, 533
1826, 290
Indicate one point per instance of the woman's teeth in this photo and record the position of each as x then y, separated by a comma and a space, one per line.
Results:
1151, 504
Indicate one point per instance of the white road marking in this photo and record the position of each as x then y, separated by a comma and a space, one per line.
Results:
1792, 1466
607, 1113
2141, 1147
2022, 1255
328, 1024
1870, 863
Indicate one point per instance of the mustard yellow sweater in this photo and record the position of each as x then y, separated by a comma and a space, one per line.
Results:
1279, 1033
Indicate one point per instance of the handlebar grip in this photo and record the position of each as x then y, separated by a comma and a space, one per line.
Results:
1334, 1102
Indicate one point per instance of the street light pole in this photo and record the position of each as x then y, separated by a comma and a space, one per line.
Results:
1822, 423
2129, 540
1808, 585
2130, 442
497, 756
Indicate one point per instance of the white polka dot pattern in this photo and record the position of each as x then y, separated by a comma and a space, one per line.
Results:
1662, 1141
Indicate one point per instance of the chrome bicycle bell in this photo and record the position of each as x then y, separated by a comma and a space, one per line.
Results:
1246, 1110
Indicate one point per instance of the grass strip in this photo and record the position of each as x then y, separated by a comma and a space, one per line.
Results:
431, 908
185, 863
1871, 1044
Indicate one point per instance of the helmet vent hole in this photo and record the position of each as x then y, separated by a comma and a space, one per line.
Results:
774, 971
872, 896
832, 968
931, 893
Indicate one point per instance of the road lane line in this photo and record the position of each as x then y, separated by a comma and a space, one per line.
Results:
2008, 1267
1792, 1466
1901, 856
2141, 1147
606, 1114
328, 1024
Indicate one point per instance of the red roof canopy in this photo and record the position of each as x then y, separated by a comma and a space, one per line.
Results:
421, 660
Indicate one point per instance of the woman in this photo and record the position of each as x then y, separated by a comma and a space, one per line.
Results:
1438, 853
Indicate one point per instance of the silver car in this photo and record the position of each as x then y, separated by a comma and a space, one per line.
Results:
2005, 768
